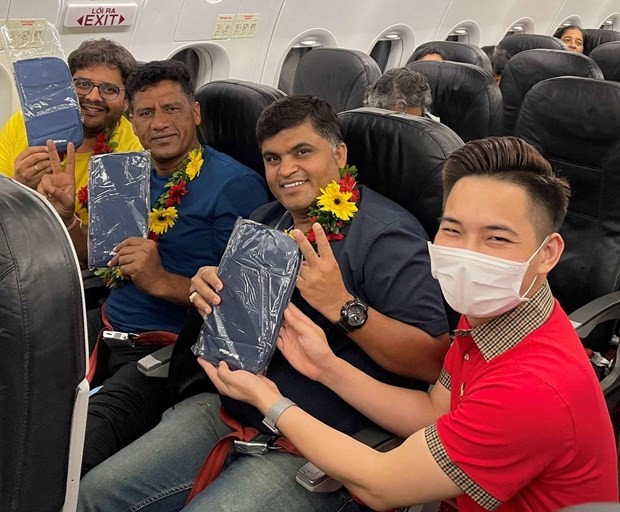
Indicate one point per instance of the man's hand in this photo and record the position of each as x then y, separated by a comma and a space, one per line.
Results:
320, 281
204, 290
31, 165
304, 344
59, 186
139, 261
256, 390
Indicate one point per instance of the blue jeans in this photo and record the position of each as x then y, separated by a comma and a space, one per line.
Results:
155, 473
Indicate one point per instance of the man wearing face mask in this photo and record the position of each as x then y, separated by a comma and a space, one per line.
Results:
517, 420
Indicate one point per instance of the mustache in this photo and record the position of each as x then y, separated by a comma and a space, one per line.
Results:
85, 103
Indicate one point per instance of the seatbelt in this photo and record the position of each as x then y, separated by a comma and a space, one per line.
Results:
156, 338
214, 463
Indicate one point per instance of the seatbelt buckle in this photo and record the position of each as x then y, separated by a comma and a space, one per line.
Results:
119, 339
259, 445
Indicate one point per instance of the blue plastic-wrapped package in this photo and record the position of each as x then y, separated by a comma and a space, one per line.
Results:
118, 202
259, 269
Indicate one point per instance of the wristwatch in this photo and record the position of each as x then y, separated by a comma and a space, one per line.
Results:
353, 315
273, 414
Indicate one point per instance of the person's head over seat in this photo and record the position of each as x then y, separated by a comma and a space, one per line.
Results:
402, 90
163, 111
301, 143
431, 53
503, 208
572, 36
100, 68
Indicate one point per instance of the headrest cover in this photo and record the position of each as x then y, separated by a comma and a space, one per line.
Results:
229, 110
400, 156
520, 42
336, 75
607, 56
529, 67
456, 52
595, 37
465, 97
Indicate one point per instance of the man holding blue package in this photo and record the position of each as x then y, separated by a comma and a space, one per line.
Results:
365, 279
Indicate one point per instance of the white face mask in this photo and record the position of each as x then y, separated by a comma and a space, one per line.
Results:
478, 285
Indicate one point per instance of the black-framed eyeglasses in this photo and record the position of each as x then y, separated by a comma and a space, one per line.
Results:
107, 91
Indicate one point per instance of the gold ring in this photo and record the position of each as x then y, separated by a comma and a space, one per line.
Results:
192, 296
36, 168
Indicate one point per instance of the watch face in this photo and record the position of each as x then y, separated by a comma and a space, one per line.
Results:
356, 315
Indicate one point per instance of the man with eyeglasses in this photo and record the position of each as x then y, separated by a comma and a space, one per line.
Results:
99, 68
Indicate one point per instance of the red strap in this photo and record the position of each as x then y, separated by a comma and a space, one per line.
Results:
213, 464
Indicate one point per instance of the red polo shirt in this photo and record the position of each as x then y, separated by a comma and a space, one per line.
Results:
528, 428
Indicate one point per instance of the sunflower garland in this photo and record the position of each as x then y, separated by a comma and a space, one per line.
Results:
336, 206
164, 214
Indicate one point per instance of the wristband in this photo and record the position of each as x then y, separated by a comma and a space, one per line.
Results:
76, 220
274, 413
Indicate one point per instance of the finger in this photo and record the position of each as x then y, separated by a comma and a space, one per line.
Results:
209, 276
133, 241
305, 247
70, 163
54, 157
211, 372
322, 243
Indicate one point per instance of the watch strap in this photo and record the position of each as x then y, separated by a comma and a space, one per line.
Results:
274, 413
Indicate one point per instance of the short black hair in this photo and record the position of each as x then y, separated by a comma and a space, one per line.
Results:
430, 50
560, 31
102, 51
292, 111
153, 72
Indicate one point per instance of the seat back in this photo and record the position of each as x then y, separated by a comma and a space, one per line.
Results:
43, 392
607, 56
594, 37
400, 156
336, 75
516, 43
229, 110
574, 122
532, 66
465, 97
457, 52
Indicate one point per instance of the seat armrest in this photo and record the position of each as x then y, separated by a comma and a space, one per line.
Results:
156, 364
599, 310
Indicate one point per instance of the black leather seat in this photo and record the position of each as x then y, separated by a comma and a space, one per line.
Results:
457, 52
42, 356
337, 75
516, 43
574, 122
607, 56
229, 110
465, 97
595, 37
529, 67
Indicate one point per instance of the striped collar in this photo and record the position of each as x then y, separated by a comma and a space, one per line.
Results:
504, 332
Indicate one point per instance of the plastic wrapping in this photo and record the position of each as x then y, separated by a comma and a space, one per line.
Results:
44, 83
259, 269
118, 202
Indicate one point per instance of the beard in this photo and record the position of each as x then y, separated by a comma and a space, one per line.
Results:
96, 120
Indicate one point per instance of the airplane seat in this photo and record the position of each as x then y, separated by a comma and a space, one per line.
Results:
336, 75
574, 122
43, 364
516, 43
457, 52
607, 56
229, 111
532, 66
594, 37
465, 97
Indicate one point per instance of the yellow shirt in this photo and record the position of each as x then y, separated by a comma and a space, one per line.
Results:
13, 140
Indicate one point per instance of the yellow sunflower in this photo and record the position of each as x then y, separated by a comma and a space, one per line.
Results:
195, 163
334, 201
162, 219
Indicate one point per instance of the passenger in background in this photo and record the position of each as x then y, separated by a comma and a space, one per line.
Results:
431, 53
572, 36
100, 68
198, 193
370, 289
498, 57
402, 90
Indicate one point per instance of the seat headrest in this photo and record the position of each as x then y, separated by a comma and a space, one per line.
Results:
595, 37
457, 52
607, 56
336, 75
400, 156
465, 97
516, 43
532, 66
229, 111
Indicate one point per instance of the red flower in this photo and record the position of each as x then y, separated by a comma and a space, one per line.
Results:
82, 196
175, 193
101, 144
311, 236
153, 236
347, 184
334, 236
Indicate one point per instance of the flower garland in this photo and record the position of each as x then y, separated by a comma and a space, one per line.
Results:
164, 214
336, 206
